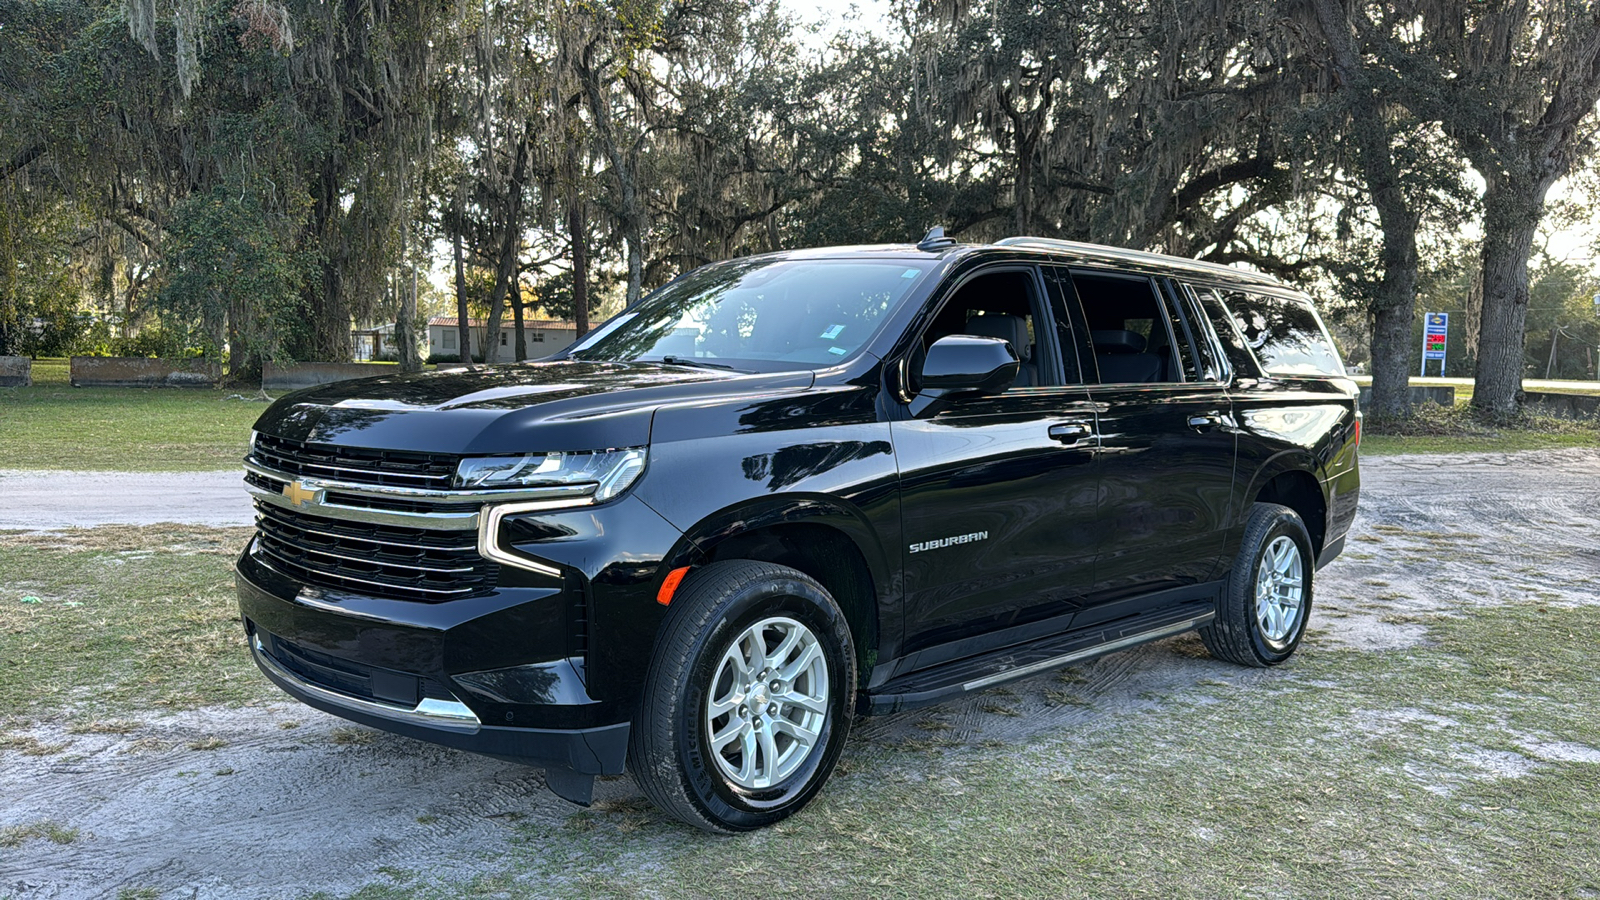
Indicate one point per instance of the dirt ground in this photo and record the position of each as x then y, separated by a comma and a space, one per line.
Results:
283, 801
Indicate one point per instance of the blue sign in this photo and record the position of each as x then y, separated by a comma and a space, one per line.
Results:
1435, 338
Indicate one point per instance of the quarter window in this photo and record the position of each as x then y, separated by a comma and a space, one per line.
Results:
1209, 353
1284, 333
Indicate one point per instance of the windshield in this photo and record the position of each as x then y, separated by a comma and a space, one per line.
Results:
760, 314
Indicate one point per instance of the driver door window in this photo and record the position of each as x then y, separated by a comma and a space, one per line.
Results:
1006, 304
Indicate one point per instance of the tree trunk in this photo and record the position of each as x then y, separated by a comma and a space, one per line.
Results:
580, 269
1394, 308
330, 317
522, 335
1512, 208
510, 246
1395, 305
244, 362
405, 327
463, 323
1024, 221
634, 222
1392, 315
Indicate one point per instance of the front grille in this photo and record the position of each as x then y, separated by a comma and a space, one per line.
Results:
368, 501
375, 560
358, 465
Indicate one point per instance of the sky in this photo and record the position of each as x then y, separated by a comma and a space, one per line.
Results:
852, 15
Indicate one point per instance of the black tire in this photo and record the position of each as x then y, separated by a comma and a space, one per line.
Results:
670, 747
1238, 634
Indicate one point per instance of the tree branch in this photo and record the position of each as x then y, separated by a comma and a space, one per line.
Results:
22, 161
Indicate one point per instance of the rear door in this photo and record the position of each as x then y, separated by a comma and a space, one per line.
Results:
1302, 408
1167, 441
998, 493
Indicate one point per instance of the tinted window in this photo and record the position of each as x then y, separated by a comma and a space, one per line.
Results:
763, 314
1129, 327
1209, 353
1284, 333
1003, 304
1227, 332
1182, 340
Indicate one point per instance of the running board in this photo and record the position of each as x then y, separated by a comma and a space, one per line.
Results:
977, 673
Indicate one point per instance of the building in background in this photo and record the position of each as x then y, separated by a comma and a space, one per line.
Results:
544, 336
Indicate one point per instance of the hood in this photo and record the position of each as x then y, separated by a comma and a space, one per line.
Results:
561, 405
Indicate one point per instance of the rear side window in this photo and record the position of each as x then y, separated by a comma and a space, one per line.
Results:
1130, 328
1284, 333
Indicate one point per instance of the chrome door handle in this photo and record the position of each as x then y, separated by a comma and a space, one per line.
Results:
1070, 432
1205, 422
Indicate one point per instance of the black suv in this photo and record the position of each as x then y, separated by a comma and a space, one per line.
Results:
786, 490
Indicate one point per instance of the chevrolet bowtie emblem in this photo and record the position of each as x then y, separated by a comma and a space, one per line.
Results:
300, 495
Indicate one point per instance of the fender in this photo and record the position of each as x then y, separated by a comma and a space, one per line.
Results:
1296, 459
793, 509
875, 610
1292, 460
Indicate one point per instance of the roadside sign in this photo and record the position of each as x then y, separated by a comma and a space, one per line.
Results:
1435, 338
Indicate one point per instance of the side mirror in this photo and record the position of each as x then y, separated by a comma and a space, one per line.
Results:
965, 362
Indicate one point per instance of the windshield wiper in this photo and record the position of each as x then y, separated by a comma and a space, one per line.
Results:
692, 361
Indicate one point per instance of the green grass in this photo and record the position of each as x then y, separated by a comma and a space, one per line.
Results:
1462, 767
17, 835
53, 425
1435, 429
1411, 773
115, 619
1507, 441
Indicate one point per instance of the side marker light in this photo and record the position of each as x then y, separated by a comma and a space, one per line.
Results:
670, 585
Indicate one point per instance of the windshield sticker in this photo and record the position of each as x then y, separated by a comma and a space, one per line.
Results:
832, 332
837, 351
910, 273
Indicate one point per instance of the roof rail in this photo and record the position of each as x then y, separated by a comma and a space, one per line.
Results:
1103, 250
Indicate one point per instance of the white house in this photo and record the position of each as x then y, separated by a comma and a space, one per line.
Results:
544, 336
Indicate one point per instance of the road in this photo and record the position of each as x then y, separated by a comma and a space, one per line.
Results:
40, 500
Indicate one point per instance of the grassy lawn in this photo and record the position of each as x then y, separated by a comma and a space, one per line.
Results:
106, 620
53, 425
1433, 429
1465, 769
1504, 441
1462, 767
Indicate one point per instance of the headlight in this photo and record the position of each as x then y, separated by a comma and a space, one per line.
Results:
610, 471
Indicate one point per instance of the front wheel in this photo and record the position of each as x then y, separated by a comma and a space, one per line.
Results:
1262, 614
748, 699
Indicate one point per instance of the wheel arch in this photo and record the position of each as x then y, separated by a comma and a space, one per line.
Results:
1289, 481
818, 535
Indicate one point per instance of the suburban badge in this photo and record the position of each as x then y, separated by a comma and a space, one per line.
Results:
942, 543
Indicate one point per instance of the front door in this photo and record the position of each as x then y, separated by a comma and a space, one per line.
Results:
998, 492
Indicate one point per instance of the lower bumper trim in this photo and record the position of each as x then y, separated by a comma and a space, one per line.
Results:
449, 715
576, 752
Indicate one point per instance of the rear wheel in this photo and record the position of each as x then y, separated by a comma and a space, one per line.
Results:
748, 700
1264, 607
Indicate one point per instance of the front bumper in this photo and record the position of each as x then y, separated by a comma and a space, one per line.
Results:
493, 674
